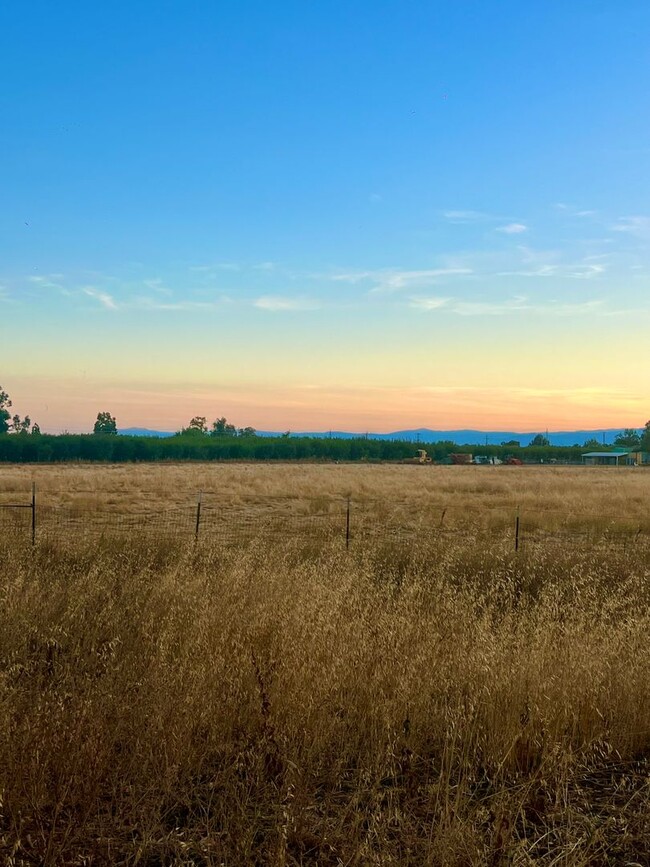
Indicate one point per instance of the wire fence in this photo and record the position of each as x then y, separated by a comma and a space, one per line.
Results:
362, 521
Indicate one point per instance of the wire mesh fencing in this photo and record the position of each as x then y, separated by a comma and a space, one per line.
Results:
349, 522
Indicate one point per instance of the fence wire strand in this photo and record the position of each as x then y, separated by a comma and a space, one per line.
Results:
372, 521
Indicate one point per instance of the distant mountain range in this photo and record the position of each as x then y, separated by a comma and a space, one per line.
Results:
426, 435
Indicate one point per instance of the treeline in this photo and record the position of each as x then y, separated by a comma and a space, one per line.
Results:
190, 447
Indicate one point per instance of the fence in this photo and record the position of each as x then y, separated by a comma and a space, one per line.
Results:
341, 520
32, 510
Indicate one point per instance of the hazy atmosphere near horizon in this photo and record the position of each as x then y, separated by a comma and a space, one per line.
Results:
361, 216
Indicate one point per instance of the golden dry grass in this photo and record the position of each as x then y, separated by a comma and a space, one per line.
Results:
417, 700
548, 498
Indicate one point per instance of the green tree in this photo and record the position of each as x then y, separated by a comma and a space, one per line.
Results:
628, 438
197, 426
105, 424
247, 432
21, 425
5, 415
592, 443
221, 428
645, 437
540, 440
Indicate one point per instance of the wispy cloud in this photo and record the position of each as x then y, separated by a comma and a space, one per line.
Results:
46, 281
541, 271
265, 266
548, 263
393, 280
215, 267
155, 284
580, 271
148, 303
513, 228
571, 211
106, 301
519, 262
586, 271
396, 281
517, 304
279, 302
466, 216
185, 306
350, 276
429, 303
638, 226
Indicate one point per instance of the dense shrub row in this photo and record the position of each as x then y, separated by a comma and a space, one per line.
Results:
92, 447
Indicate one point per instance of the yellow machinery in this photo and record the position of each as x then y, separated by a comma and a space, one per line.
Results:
422, 458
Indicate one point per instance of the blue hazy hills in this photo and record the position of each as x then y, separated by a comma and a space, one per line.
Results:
427, 435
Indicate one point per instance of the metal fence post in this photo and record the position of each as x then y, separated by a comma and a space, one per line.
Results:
198, 516
517, 530
347, 525
33, 507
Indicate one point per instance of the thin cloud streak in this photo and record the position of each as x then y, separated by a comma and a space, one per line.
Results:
461, 217
216, 266
275, 303
505, 308
638, 226
393, 280
513, 229
46, 282
175, 306
106, 301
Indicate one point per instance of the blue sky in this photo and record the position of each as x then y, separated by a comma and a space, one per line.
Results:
326, 214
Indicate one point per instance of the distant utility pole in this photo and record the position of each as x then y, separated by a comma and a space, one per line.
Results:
603, 437
486, 439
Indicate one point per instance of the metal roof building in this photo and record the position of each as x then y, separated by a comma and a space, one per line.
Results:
618, 458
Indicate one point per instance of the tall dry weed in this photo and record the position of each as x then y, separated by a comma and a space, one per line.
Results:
420, 702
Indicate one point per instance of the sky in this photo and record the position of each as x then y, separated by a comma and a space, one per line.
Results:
361, 215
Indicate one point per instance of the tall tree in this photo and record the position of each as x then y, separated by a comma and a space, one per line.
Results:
21, 425
645, 437
5, 415
540, 440
221, 428
197, 426
105, 424
629, 438
8, 422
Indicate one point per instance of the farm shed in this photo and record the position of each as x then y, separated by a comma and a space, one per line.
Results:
618, 458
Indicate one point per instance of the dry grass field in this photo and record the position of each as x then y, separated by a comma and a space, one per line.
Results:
425, 697
550, 500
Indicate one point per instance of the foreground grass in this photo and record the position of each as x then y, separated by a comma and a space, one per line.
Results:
426, 704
